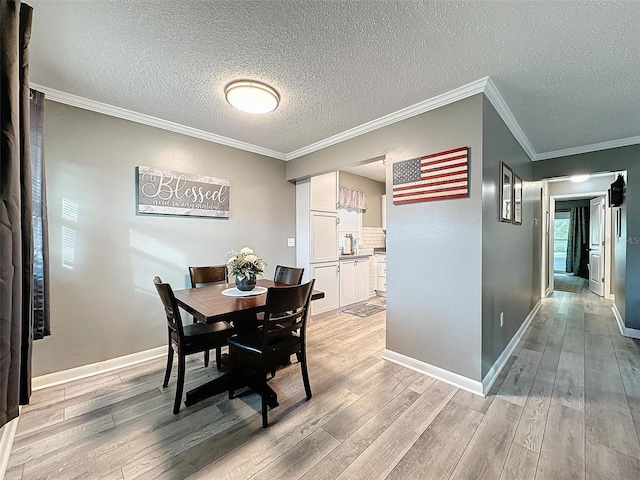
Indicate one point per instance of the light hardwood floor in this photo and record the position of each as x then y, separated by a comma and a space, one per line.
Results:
567, 406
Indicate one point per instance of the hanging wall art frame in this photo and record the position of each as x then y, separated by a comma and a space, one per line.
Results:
517, 200
506, 193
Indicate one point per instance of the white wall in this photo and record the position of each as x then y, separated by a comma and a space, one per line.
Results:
600, 183
104, 256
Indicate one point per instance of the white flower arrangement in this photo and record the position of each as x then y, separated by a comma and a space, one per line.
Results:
245, 264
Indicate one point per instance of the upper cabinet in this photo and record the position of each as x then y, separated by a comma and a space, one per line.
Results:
324, 237
324, 192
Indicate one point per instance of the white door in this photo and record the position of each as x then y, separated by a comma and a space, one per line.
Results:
550, 214
327, 280
596, 246
324, 237
324, 192
347, 283
362, 280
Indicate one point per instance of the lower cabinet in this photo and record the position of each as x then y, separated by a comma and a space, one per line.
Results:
327, 279
354, 281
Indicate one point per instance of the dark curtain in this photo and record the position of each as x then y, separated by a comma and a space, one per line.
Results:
578, 244
16, 245
41, 326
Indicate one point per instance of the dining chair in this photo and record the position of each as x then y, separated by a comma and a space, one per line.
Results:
185, 340
288, 275
204, 275
214, 274
283, 332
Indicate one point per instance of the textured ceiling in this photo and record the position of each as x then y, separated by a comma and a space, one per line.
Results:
567, 70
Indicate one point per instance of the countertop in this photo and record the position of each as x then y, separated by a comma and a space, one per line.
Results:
353, 257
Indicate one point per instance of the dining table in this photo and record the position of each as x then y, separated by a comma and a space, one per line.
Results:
217, 302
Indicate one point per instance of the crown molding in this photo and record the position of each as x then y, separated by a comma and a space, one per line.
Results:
493, 95
455, 95
99, 107
595, 147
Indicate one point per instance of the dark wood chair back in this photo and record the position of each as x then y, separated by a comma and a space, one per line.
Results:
288, 275
286, 312
214, 274
171, 310
202, 275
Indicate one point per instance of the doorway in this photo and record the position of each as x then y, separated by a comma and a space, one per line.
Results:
577, 239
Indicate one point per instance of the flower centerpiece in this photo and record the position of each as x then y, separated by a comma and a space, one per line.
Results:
245, 266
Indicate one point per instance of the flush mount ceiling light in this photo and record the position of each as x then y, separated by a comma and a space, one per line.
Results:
251, 96
579, 178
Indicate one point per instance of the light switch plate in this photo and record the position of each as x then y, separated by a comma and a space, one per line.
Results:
291, 242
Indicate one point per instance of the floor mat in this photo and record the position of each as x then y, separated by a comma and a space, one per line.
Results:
569, 283
365, 310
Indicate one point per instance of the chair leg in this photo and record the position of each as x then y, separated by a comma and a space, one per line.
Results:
265, 410
167, 373
302, 358
218, 357
180, 385
206, 358
232, 373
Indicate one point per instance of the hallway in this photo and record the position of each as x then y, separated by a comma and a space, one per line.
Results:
583, 410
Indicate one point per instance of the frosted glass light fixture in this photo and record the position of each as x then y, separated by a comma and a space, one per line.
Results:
579, 178
251, 96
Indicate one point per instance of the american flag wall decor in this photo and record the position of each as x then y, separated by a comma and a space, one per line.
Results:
438, 176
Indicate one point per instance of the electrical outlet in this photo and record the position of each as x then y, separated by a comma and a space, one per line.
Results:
291, 242
501, 319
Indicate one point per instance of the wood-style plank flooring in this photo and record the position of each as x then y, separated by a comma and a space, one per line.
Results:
567, 406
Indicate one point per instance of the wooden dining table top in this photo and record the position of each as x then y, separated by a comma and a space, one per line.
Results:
207, 302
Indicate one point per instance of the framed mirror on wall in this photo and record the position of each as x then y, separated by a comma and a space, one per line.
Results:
506, 193
517, 200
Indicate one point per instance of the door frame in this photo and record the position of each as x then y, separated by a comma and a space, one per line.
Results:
607, 252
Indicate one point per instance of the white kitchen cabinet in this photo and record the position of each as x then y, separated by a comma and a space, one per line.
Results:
317, 237
362, 280
381, 274
324, 192
354, 281
324, 237
327, 280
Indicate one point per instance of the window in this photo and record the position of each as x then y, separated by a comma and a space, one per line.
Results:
560, 240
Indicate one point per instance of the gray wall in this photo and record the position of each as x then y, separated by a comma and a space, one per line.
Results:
616, 159
372, 216
104, 256
567, 205
510, 253
434, 249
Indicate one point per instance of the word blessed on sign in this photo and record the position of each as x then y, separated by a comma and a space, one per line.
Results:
174, 193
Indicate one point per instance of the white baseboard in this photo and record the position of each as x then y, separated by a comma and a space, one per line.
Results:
491, 376
441, 374
77, 373
627, 332
473, 386
7, 434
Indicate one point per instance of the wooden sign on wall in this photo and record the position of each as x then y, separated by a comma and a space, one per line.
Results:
174, 193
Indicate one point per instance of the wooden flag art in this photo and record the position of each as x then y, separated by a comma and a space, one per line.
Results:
439, 176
